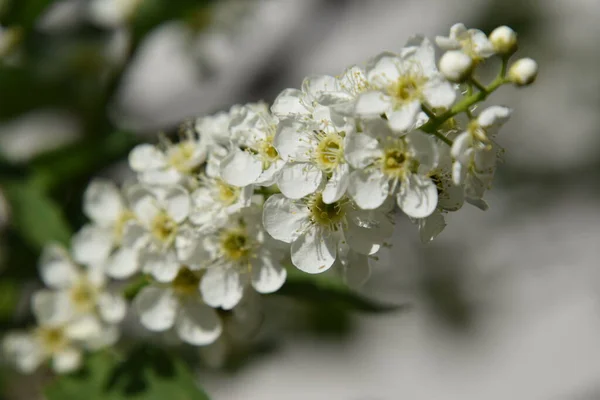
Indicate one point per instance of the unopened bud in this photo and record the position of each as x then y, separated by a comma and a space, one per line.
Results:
523, 72
456, 66
504, 40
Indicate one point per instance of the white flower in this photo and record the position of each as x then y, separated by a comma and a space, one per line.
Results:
239, 253
159, 232
174, 163
523, 72
100, 241
78, 294
399, 84
386, 164
456, 66
316, 229
112, 13
472, 42
347, 87
475, 152
28, 350
214, 129
504, 40
214, 200
253, 129
179, 304
450, 196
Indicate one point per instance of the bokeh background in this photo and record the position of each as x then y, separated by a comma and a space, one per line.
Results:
505, 303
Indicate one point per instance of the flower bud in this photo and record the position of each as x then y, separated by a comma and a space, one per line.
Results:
504, 40
456, 66
523, 72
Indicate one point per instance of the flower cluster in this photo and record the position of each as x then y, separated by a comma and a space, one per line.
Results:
315, 181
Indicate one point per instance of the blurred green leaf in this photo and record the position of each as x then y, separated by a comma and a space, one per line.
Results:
24, 13
9, 296
36, 217
321, 288
145, 373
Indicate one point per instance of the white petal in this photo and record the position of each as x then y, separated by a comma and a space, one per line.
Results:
361, 150
56, 268
83, 327
240, 168
372, 104
404, 118
22, 350
299, 179
494, 115
162, 265
91, 245
431, 226
197, 324
222, 287
293, 141
383, 70
314, 251
123, 263
367, 230
283, 218
336, 185
418, 197
102, 202
425, 55
459, 173
268, 275
460, 147
52, 307
439, 93
135, 236
177, 203
316, 85
164, 176
289, 103
67, 360
270, 175
368, 188
145, 157
112, 307
144, 204
156, 307
446, 43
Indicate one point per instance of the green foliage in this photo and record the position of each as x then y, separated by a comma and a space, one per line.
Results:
145, 373
23, 12
36, 217
322, 288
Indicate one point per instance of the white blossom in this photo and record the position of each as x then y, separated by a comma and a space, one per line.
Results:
159, 231
472, 42
399, 84
112, 13
169, 163
386, 164
523, 72
178, 304
316, 229
239, 254
504, 40
456, 66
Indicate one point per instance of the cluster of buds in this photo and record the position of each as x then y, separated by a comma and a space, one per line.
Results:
315, 182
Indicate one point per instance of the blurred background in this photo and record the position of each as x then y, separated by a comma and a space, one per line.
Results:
505, 303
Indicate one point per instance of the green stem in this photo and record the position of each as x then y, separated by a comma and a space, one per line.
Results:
478, 84
443, 138
433, 124
428, 111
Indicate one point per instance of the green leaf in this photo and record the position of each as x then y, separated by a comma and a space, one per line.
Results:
24, 12
323, 288
36, 217
145, 373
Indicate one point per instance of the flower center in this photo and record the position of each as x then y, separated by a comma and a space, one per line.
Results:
407, 88
235, 244
181, 155
395, 161
329, 215
227, 194
267, 151
186, 282
52, 339
163, 228
83, 296
330, 151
